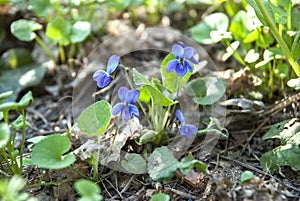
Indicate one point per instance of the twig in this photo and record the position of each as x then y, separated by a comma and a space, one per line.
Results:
105, 188
181, 194
127, 184
114, 188
37, 113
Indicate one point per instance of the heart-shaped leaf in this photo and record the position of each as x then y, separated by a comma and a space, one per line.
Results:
162, 164
80, 31
59, 31
134, 163
41, 7
288, 154
48, 153
88, 190
95, 119
207, 90
214, 22
24, 29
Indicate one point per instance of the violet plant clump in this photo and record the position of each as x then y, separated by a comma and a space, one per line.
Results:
156, 100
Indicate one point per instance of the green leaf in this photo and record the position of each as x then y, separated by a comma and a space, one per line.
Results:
21, 78
160, 197
25, 100
283, 155
41, 8
48, 153
280, 15
95, 119
294, 83
134, 163
80, 31
22, 104
152, 90
171, 79
268, 7
214, 127
201, 32
18, 123
139, 79
144, 95
146, 136
24, 29
207, 90
282, 70
188, 163
11, 189
5, 95
5, 133
246, 176
158, 97
162, 164
59, 31
238, 25
287, 131
88, 190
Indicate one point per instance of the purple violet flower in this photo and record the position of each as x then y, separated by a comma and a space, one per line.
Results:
184, 54
186, 129
103, 78
126, 107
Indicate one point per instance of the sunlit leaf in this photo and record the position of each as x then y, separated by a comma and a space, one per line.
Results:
95, 119
48, 153
24, 29
216, 21
158, 97
80, 31
294, 83
59, 31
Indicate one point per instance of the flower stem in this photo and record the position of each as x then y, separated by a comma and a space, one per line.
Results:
279, 39
45, 48
23, 140
139, 103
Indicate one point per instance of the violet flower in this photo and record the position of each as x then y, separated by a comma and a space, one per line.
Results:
126, 107
186, 129
184, 54
103, 78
